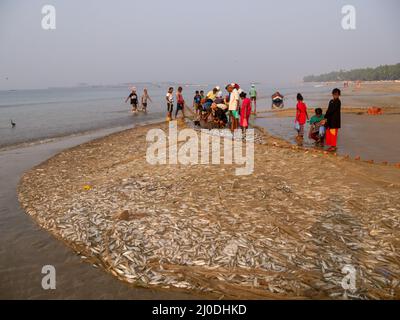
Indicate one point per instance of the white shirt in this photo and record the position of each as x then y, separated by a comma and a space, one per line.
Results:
170, 97
234, 100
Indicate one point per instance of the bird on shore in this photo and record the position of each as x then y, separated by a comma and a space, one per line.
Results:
13, 124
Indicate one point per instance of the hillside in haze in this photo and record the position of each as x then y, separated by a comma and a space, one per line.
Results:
386, 72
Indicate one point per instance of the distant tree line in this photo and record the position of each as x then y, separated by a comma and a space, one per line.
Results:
386, 72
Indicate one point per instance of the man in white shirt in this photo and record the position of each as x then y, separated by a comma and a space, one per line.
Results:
234, 105
170, 103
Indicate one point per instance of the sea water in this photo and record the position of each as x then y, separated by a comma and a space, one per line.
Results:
54, 112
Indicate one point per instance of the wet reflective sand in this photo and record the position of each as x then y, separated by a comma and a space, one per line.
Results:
370, 137
25, 248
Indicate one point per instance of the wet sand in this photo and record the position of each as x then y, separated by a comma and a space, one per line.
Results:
25, 248
370, 137
286, 231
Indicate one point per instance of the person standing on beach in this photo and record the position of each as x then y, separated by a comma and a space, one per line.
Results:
180, 103
197, 102
233, 89
202, 95
170, 103
253, 97
144, 100
134, 100
301, 118
333, 120
245, 111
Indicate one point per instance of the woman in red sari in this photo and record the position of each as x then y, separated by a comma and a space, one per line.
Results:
245, 111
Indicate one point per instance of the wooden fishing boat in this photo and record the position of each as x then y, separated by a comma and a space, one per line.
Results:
277, 100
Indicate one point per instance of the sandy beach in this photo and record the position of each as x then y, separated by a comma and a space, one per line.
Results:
26, 248
287, 231
370, 137
140, 162
385, 95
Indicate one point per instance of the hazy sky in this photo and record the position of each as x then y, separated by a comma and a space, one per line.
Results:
207, 41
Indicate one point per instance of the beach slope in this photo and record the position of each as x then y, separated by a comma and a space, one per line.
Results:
289, 230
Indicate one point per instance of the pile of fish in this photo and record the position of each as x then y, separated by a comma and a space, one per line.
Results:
302, 226
257, 138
